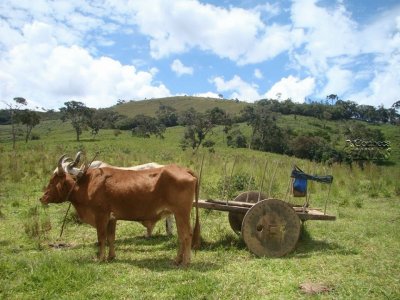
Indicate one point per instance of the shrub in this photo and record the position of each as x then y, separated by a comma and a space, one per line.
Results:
35, 137
117, 132
236, 139
235, 185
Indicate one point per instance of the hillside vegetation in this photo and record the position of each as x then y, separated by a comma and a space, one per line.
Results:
180, 103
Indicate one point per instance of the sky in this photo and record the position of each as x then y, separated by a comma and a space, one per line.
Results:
101, 51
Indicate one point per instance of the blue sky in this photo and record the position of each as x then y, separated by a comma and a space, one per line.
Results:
99, 52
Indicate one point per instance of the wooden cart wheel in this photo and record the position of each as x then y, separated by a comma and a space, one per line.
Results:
236, 218
271, 228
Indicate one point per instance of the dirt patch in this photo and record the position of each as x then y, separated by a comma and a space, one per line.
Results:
315, 288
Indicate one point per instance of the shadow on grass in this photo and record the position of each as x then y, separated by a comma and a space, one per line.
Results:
227, 242
307, 246
159, 241
158, 264
167, 264
4, 243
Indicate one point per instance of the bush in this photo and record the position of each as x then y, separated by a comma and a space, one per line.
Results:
117, 132
236, 139
230, 188
35, 137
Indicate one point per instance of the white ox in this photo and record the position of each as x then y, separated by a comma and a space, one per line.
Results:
68, 166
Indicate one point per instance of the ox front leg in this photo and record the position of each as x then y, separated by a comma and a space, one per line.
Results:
112, 224
101, 227
185, 239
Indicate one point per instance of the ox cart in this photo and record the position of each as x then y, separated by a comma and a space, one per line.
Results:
271, 227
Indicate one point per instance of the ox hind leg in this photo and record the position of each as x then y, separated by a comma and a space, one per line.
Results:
185, 238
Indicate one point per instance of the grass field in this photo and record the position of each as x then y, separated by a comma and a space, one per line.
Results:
355, 257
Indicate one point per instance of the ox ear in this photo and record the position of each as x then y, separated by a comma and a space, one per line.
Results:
60, 169
75, 172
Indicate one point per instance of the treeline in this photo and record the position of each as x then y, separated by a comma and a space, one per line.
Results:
334, 108
265, 134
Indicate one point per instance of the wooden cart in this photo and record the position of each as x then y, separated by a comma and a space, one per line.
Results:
269, 226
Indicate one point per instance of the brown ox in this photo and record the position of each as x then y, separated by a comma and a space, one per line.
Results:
69, 166
103, 196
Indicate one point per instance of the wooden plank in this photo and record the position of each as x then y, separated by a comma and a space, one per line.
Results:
233, 203
314, 214
243, 207
221, 206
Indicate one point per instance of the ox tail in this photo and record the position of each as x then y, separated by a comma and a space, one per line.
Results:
196, 240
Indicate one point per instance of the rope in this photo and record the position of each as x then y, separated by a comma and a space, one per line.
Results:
69, 207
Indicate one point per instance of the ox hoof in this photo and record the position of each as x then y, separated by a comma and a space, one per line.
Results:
180, 263
111, 258
100, 258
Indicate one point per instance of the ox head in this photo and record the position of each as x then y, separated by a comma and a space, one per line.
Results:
58, 188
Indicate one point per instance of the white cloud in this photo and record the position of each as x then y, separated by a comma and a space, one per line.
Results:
207, 95
293, 88
275, 40
335, 47
175, 27
239, 89
180, 69
271, 9
322, 40
258, 74
339, 82
384, 88
328, 33
42, 71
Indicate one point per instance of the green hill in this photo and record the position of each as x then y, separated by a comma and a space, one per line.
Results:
180, 103
302, 125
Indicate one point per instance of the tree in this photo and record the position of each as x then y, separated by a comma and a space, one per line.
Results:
13, 109
198, 126
145, 126
266, 135
78, 114
167, 115
236, 139
30, 119
332, 98
102, 118
309, 147
356, 131
396, 105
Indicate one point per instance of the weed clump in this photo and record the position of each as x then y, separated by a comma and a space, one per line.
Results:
36, 226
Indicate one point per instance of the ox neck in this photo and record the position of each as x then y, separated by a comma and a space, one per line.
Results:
71, 185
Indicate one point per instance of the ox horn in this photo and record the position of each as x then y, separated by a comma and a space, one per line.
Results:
60, 169
77, 158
